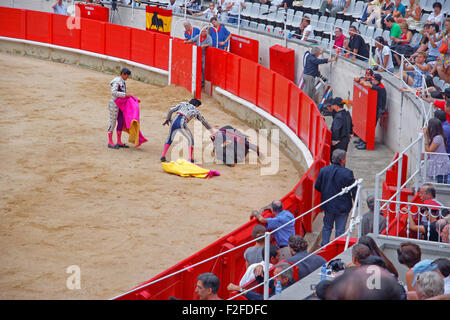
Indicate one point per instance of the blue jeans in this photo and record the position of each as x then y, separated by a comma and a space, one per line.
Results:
338, 219
233, 19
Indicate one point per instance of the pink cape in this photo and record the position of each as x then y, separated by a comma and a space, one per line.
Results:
130, 108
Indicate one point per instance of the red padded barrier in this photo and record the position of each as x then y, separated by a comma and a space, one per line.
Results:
265, 89
161, 51
216, 67
181, 70
281, 98
294, 107
93, 12
282, 61
93, 35
233, 69
313, 129
13, 23
245, 47
63, 36
364, 114
198, 83
143, 47
248, 81
305, 117
118, 41
39, 26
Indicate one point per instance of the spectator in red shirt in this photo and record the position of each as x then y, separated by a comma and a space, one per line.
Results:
441, 104
338, 38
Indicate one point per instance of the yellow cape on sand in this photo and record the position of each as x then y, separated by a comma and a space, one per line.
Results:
185, 168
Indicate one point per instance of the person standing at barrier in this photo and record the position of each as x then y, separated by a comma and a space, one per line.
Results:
311, 70
280, 218
59, 8
376, 85
219, 34
207, 286
118, 90
341, 127
330, 181
185, 112
202, 40
189, 31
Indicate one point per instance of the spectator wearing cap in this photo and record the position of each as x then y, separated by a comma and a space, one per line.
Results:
207, 286
281, 217
376, 85
383, 55
409, 254
311, 70
356, 45
421, 267
309, 263
439, 114
330, 181
341, 127
368, 217
368, 76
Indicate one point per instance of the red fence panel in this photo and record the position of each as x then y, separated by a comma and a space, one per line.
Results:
118, 41
281, 97
305, 116
216, 67
233, 69
265, 89
248, 81
181, 69
143, 47
364, 114
245, 47
13, 22
39, 26
63, 36
161, 51
93, 12
93, 35
294, 107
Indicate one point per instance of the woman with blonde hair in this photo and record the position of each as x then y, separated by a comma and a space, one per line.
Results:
401, 45
412, 16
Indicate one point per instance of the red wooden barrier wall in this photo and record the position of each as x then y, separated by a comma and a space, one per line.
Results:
259, 85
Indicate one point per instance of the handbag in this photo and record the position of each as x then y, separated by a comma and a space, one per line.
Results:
443, 48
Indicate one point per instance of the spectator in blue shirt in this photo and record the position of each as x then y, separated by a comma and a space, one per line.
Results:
399, 9
311, 64
280, 218
59, 8
189, 31
219, 34
331, 180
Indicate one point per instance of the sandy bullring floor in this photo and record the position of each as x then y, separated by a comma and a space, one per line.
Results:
68, 200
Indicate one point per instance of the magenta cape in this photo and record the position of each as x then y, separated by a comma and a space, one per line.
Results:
130, 108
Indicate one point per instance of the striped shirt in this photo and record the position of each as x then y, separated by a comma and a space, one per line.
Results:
189, 111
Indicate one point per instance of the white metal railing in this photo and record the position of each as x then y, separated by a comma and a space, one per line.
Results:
353, 222
419, 175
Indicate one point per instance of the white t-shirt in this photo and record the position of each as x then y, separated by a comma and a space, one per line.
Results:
249, 275
311, 33
209, 14
235, 8
436, 19
380, 55
174, 7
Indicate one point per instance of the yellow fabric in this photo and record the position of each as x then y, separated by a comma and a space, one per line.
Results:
184, 168
133, 132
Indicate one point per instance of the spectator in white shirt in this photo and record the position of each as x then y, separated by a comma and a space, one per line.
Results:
436, 16
208, 13
174, 6
384, 55
306, 31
